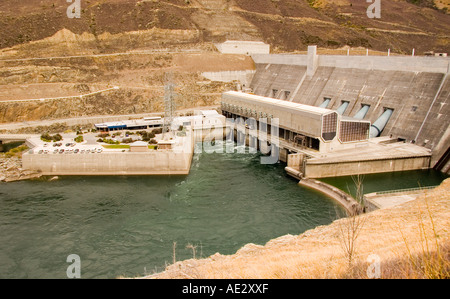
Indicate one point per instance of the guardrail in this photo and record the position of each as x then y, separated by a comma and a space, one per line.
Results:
405, 190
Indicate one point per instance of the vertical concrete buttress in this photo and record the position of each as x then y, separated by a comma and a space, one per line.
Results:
313, 61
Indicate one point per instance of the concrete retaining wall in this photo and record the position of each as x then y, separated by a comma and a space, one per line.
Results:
385, 63
150, 163
244, 77
323, 170
243, 47
344, 199
294, 59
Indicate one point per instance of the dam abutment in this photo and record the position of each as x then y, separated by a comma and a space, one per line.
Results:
414, 89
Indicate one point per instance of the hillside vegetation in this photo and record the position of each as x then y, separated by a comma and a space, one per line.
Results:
288, 25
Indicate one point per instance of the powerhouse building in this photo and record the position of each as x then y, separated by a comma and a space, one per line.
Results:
304, 126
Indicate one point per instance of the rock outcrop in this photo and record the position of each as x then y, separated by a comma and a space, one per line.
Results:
11, 170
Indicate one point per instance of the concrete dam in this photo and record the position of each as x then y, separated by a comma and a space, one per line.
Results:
405, 98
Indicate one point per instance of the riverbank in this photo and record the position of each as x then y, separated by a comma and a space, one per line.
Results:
409, 241
11, 170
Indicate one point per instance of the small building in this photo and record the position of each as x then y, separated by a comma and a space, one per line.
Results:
111, 126
166, 144
201, 119
139, 146
306, 126
141, 124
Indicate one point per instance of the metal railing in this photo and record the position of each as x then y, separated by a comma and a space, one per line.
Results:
405, 190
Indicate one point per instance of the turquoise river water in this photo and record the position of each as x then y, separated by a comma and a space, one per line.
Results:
126, 226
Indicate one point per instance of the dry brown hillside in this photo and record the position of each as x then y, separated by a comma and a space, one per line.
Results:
139, 80
288, 25
133, 45
410, 240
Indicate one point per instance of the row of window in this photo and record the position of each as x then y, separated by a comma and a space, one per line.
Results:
247, 111
349, 131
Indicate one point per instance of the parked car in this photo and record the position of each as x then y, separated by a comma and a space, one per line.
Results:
40, 152
61, 151
76, 151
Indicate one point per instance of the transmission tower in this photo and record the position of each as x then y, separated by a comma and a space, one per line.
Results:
169, 104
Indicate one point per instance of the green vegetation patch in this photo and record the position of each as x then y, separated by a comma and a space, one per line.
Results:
49, 138
116, 146
17, 151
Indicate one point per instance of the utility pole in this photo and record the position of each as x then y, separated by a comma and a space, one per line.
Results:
169, 104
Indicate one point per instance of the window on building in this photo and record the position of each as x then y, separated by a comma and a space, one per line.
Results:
329, 126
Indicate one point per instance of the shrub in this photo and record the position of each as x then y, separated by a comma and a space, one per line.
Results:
57, 137
110, 141
157, 131
127, 140
49, 138
17, 151
46, 137
79, 139
146, 136
103, 135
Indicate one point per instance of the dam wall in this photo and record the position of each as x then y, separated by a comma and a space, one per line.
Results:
323, 170
388, 63
416, 89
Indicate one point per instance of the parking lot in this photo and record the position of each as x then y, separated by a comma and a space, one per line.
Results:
64, 147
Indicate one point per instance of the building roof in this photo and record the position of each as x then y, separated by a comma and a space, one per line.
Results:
352, 119
279, 103
248, 42
209, 112
166, 142
139, 143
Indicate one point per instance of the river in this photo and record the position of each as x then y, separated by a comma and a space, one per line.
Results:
127, 226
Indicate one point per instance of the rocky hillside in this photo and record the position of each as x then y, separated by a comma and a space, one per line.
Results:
133, 45
123, 83
288, 25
